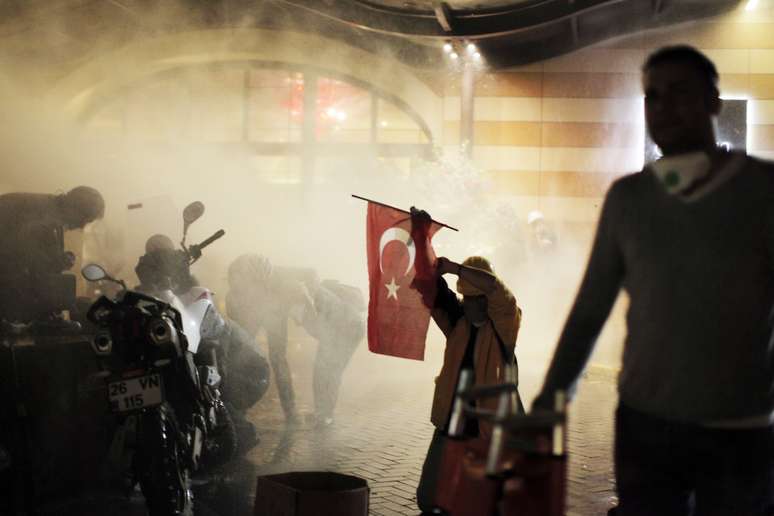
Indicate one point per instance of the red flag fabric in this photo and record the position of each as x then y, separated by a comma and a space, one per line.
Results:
398, 318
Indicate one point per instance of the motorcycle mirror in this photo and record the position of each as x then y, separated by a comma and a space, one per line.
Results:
193, 212
93, 272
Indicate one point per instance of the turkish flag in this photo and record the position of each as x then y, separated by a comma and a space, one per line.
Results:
399, 261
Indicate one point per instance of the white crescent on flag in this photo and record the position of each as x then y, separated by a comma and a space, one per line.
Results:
402, 236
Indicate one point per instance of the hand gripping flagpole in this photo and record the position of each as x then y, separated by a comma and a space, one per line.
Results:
398, 209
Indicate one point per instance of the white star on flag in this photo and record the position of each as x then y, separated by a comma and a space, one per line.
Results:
392, 288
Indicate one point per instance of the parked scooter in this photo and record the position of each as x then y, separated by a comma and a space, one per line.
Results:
172, 420
165, 272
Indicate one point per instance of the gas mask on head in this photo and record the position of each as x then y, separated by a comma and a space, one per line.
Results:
678, 173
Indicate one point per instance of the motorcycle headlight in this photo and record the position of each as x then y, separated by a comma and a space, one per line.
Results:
102, 344
161, 332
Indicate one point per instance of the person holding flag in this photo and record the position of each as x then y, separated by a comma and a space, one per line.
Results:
480, 330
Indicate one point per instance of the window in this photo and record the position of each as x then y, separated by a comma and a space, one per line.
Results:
731, 125
157, 111
394, 125
217, 101
343, 112
303, 114
274, 106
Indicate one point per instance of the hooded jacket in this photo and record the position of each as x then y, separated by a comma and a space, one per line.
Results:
504, 319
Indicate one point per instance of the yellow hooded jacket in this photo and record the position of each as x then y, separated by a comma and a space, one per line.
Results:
504, 318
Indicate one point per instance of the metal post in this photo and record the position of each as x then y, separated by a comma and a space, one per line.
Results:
457, 418
309, 137
467, 95
246, 106
498, 437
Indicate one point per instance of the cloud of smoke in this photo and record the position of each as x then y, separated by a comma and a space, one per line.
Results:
265, 203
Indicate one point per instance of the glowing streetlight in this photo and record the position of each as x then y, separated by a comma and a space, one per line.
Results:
471, 48
447, 47
454, 55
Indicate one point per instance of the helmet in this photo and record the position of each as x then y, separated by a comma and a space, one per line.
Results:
251, 267
82, 205
534, 216
158, 242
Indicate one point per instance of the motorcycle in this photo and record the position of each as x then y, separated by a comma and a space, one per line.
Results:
172, 421
165, 273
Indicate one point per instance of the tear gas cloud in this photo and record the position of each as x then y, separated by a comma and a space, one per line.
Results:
311, 222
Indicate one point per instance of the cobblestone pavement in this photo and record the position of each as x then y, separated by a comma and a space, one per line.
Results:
382, 432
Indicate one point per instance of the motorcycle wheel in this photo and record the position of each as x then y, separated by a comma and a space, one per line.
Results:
164, 478
222, 441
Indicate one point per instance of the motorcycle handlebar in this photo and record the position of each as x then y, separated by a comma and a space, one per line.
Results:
211, 239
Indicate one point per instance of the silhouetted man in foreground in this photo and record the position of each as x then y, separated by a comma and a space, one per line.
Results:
691, 240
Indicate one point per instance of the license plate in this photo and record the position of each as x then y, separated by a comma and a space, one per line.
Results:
135, 393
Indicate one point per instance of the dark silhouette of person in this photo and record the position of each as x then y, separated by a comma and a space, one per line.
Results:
264, 297
691, 240
32, 254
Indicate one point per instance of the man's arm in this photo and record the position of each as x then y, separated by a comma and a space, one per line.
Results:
238, 310
484, 281
769, 236
501, 303
443, 303
593, 303
301, 304
294, 289
447, 309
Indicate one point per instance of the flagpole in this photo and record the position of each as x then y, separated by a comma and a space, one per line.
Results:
398, 209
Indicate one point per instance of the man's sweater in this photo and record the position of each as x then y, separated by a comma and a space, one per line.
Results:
700, 277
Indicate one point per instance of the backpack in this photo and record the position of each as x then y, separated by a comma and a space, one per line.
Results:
347, 294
